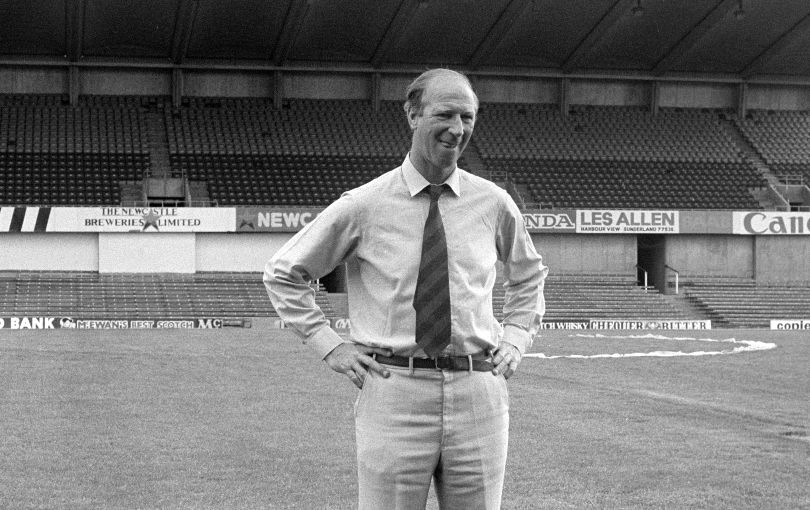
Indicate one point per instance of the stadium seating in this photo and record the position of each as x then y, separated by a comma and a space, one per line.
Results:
142, 296
146, 296
244, 151
53, 154
618, 157
308, 151
280, 179
305, 153
571, 298
728, 302
741, 303
782, 138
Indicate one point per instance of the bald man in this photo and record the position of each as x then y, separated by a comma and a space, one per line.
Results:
421, 244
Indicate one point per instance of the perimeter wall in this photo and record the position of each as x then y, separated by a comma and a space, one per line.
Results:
770, 248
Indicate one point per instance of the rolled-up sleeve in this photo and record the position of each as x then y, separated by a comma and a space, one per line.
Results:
312, 253
524, 279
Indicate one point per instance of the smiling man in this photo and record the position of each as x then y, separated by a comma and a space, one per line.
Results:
421, 244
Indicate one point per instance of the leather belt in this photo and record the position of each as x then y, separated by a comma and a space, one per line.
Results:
439, 363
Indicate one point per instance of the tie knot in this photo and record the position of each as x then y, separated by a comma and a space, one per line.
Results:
435, 191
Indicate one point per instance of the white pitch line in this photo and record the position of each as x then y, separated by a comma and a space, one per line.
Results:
742, 346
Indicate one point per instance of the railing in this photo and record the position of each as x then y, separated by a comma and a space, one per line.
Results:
791, 179
677, 276
169, 203
792, 208
530, 206
646, 279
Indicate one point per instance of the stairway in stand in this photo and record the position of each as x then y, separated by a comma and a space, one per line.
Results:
158, 145
198, 190
132, 193
472, 162
765, 196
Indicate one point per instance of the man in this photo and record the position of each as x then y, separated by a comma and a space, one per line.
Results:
425, 349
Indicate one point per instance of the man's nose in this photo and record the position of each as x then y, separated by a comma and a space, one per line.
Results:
456, 126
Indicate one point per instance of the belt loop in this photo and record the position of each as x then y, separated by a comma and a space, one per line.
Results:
469, 366
374, 356
410, 365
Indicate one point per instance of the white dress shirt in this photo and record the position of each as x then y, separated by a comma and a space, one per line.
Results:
376, 229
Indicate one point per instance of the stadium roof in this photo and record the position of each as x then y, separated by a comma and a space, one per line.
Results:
733, 39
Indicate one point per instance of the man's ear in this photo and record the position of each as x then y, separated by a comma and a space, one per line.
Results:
413, 118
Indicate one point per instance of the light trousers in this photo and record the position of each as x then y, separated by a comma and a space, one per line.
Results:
451, 427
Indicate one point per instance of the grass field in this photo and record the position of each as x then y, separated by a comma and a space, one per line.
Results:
251, 419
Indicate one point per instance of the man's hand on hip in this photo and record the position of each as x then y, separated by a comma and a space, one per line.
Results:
355, 361
506, 359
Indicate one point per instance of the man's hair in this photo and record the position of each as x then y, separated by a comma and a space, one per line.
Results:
415, 91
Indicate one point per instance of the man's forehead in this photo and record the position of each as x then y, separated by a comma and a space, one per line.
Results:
450, 92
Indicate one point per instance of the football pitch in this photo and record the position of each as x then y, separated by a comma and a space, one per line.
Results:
249, 418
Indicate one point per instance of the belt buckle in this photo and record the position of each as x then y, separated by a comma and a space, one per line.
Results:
443, 362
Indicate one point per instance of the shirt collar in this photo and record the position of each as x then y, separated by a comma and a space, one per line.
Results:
416, 182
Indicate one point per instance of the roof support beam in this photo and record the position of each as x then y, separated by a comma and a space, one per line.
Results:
289, 33
565, 96
505, 21
406, 11
619, 10
690, 40
742, 99
74, 85
376, 91
793, 34
183, 24
278, 89
74, 33
177, 87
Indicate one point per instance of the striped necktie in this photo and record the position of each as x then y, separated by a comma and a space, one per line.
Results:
432, 297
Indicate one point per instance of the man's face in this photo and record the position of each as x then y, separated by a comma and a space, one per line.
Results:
445, 125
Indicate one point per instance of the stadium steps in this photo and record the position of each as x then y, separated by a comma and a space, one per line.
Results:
744, 304
132, 192
748, 151
765, 196
473, 162
729, 302
198, 191
150, 296
690, 308
572, 298
158, 144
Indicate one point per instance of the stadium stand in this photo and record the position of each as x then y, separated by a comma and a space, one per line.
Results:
244, 151
53, 154
782, 138
742, 303
618, 157
138, 296
247, 152
572, 298
150, 296
305, 153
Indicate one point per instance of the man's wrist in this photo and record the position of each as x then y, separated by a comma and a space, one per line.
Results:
518, 337
324, 341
